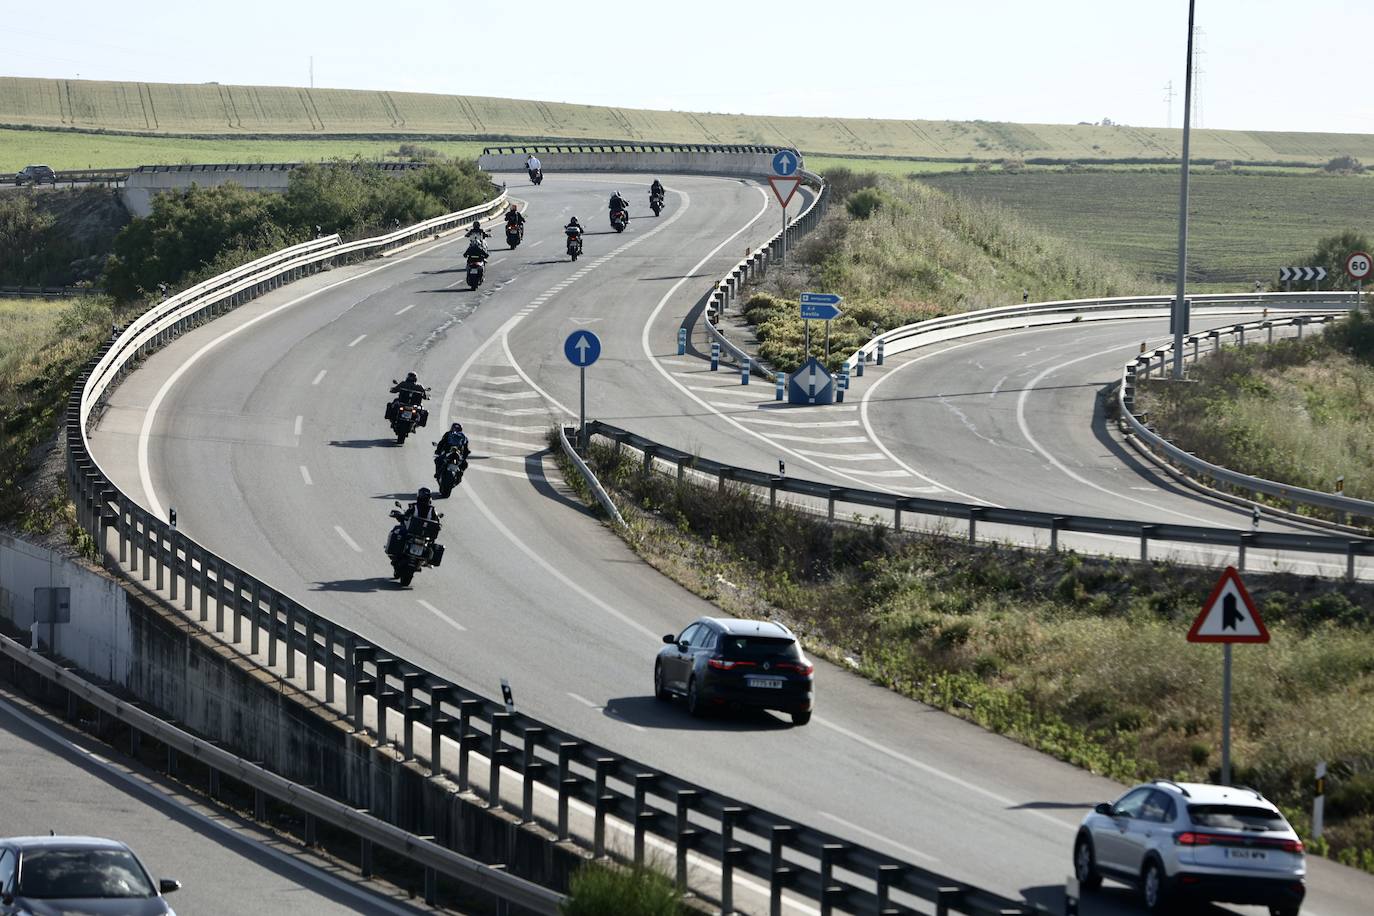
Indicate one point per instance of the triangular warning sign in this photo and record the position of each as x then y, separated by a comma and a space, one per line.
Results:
1229, 615
784, 188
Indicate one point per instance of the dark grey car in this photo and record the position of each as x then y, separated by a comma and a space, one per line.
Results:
719, 661
77, 876
35, 174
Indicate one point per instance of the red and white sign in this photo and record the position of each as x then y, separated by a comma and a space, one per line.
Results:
784, 188
1229, 615
1359, 266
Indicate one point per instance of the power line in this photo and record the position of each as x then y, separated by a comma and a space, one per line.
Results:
1169, 101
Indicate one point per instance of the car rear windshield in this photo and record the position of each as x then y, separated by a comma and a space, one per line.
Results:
1236, 817
82, 873
759, 647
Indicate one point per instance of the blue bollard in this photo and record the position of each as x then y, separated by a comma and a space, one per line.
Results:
681, 341
841, 385
782, 384
744, 373
880, 352
859, 366
715, 355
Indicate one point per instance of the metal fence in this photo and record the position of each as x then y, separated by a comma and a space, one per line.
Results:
391, 696
632, 148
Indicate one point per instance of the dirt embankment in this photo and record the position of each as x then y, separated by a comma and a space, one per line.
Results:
61, 237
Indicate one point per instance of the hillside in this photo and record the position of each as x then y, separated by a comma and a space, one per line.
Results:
212, 109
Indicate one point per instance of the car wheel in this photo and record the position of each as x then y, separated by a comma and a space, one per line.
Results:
694, 703
660, 692
1153, 892
1085, 864
802, 717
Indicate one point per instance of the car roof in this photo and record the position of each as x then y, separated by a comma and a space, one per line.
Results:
1204, 793
61, 842
738, 626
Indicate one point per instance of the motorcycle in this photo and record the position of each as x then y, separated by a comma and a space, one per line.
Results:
536, 176
574, 245
412, 545
619, 220
475, 272
449, 468
405, 418
515, 232
656, 203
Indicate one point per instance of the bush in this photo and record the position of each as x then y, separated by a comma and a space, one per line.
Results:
599, 889
1013, 165
1223, 165
863, 204
1346, 164
1331, 253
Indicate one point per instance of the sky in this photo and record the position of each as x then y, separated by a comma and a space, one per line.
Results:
1264, 64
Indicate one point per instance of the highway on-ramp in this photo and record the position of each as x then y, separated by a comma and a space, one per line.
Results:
264, 429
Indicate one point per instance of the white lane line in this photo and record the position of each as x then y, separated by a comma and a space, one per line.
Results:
508, 411
208, 823
305, 475
745, 391
507, 395
502, 472
814, 440
300, 423
319, 377
357, 340
822, 424
610, 712
526, 430
832, 456
513, 443
348, 540
406, 309
441, 615
878, 836
583, 700
495, 379
896, 473
538, 243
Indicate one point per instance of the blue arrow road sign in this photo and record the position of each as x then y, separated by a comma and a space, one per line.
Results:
820, 312
820, 299
785, 163
582, 348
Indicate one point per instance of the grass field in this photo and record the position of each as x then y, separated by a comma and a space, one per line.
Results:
216, 109
1242, 228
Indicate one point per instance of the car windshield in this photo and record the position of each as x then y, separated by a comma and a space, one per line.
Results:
745, 647
82, 873
1236, 817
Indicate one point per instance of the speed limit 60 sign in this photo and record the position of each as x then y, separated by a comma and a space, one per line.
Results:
1359, 266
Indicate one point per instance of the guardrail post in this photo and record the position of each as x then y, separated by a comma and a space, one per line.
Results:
1193, 340
720, 479
1240, 334
467, 739
497, 758
729, 850
1055, 524
1145, 532
947, 897
1245, 540
272, 603
357, 682
1269, 326
530, 767
309, 652
649, 451
172, 564
411, 709
1299, 321
329, 664
831, 892
886, 876
567, 784
1350, 549
254, 625
830, 503
602, 805
780, 873
365, 857
437, 722
974, 514
685, 835
881, 357
643, 813
289, 642
237, 607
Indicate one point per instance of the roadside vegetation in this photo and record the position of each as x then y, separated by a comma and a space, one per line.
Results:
600, 888
899, 251
1082, 658
57, 238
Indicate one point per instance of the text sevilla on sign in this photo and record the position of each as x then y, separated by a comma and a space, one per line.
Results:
784, 188
1229, 615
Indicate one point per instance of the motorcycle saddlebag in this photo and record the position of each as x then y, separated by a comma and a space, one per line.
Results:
423, 417
390, 411
437, 554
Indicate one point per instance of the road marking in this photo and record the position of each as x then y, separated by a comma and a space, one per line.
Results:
508, 411
319, 377
305, 475
513, 443
538, 243
741, 390
822, 424
583, 700
348, 540
406, 309
495, 379
610, 712
441, 615
508, 395
896, 473
300, 421
814, 440
518, 475
527, 430
878, 836
832, 456
357, 340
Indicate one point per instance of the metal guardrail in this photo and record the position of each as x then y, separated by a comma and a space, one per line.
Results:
784, 854
632, 148
899, 505
49, 292
369, 829
108, 177
1343, 506
597, 489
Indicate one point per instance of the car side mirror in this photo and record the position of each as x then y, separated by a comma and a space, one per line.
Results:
669, 638
168, 885
1105, 808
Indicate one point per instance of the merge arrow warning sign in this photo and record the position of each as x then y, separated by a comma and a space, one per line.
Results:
1229, 615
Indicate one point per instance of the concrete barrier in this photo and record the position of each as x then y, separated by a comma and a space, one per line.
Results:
147, 181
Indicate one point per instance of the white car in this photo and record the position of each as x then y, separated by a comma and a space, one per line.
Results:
1193, 841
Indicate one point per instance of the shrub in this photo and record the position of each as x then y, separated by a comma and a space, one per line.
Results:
1223, 165
598, 889
1014, 165
1331, 253
1347, 164
863, 204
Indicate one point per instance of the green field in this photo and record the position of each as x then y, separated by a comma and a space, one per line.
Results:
1242, 227
249, 110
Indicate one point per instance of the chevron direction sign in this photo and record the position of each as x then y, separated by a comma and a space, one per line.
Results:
1302, 274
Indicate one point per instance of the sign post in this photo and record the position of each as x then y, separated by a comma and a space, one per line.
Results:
1358, 266
1228, 617
822, 307
582, 348
1314, 275
785, 182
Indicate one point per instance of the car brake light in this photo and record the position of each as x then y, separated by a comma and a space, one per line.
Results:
725, 664
1291, 845
1190, 838
797, 667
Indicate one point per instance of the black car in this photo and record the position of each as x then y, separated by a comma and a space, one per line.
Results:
35, 174
77, 874
740, 663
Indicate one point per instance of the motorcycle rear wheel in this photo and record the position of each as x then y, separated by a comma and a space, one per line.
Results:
405, 577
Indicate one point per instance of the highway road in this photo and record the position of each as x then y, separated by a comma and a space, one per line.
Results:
264, 429
62, 781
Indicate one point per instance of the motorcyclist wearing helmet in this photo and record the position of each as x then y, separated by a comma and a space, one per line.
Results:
514, 217
619, 203
656, 189
422, 510
532, 163
475, 236
410, 391
573, 229
455, 438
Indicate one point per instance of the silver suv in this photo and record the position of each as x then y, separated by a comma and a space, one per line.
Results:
1193, 841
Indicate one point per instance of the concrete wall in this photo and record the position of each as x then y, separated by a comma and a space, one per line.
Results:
141, 187
754, 165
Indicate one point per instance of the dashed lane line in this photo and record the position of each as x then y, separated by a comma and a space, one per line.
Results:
319, 376
441, 615
348, 540
305, 475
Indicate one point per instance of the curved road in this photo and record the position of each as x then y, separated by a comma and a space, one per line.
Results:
267, 435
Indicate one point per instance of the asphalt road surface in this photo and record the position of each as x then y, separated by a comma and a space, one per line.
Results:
265, 430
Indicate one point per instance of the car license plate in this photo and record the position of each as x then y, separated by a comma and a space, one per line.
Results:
773, 682
1250, 854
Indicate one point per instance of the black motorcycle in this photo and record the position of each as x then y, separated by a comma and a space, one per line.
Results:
574, 245
449, 468
619, 220
536, 176
412, 544
656, 203
405, 418
476, 270
515, 233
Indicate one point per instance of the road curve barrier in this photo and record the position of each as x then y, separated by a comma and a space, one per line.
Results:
902, 509
1344, 509
700, 159
394, 699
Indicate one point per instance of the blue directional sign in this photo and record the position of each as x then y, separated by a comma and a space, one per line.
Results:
820, 306
785, 163
820, 299
582, 348
811, 384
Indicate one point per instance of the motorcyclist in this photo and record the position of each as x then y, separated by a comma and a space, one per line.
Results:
410, 391
514, 217
619, 203
573, 229
656, 189
532, 164
454, 438
423, 509
475, 236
